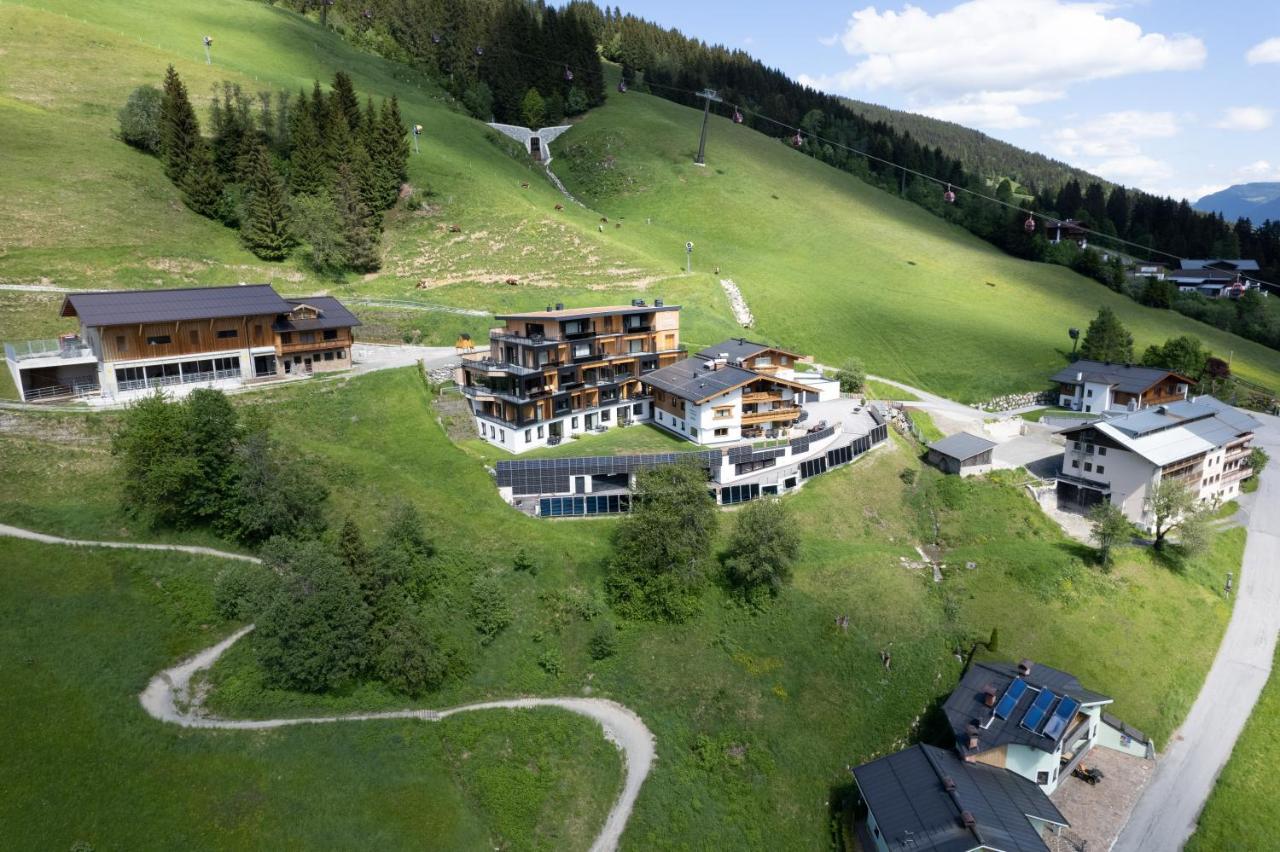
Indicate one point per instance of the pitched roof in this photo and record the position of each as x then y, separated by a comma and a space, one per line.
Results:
127, 307
692, 379
1128, 378
966, 704
332, 314
584, 313
1203, 275
962, 445
739, 349
1170, 433
1242, 264
906, 791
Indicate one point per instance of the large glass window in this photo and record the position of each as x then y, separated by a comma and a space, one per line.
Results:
582, 350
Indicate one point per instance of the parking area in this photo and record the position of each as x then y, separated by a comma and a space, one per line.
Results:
1038, 450
1097, 812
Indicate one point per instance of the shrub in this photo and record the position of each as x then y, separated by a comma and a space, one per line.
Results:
241, 591
551, 662
603, 643
489, 610
852, 375
409, 659
140, 119
762, 548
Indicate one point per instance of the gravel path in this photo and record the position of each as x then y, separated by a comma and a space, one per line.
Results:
1167, 813
168, 698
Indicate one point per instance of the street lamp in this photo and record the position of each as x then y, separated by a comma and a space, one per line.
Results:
1074, 333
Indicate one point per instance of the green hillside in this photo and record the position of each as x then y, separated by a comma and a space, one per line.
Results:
827, 263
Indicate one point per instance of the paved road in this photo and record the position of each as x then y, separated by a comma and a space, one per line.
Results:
1166, 814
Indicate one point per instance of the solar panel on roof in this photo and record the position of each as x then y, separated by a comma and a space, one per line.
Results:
1035, 713
1057, 723
1011, 696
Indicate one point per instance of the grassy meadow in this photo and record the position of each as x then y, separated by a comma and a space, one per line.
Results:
828, 264
756, 712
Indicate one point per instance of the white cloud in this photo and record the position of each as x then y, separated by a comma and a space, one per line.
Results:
1259, 170
748, 40
1113, 134
1267, 51
1245, 118
1000, 110
829, 40
959, 61
1135, 170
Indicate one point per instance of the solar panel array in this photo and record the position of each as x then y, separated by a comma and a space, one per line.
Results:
1016, 690
550, 476
731, 494
1057, 724
1036, 712
591, 504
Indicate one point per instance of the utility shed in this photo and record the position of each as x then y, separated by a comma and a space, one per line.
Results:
962, 453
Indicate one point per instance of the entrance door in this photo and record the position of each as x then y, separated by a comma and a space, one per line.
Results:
579, 485
535, 147
306, 365
591, 421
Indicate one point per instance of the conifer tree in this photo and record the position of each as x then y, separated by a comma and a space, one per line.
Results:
319, 106
343, 99
308, 168
265, 230
395, 140
337, 142
179, 128
360, 232
369, 180
1107, 339
201, 184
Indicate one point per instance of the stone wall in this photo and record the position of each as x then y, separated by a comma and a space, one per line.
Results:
1019, 400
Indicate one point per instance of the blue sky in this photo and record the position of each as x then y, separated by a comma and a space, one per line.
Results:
1177, 97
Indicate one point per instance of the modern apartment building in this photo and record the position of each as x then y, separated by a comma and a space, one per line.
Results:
552, 374
735, 390
131, 341
1202, 442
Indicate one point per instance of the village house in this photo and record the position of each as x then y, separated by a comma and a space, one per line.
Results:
1201, 442
1019, 731
131, 341
1095, 386
549, 375
1067, 230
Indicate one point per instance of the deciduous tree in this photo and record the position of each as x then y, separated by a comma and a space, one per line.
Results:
1109, 527
1169, 503
763, 547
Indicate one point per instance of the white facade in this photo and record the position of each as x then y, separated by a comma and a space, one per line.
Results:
587, 421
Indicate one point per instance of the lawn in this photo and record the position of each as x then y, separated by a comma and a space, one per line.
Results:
640, 438
1241, 812
929, 431
880, 390
82, 631
829, 265
751, 709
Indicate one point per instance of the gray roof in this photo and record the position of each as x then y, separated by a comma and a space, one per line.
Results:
966, 704
1169, 433
906, 791
736, 349
586, 313
333, 314
692, 379
1123, 377
1196, 276
1239, 263
129, 307
962, 446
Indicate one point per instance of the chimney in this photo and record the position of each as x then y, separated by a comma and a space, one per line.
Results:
559, 306
967, 820
657, 303
1079, 377
548, 309
1024, 667
639, 303
1133, 405
949, 784
972, 731
989, 695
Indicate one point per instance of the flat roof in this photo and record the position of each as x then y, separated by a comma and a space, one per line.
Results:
962, 445
907, 792
130, 307
583, 313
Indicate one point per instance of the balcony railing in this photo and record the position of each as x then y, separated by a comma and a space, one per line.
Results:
53, 348
781, 413
184, 379
78, 389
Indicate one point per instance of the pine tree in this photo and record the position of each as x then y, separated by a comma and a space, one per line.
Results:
393, 150
368, 179
319, 106
266, 229
1107, 339
179, 128
360, 231
343, 99
201, 184
337, 143
308, 168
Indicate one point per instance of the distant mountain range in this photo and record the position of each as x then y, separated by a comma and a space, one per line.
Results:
977, 151
1257, 202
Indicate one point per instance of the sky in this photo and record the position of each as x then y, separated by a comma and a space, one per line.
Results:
1177, 97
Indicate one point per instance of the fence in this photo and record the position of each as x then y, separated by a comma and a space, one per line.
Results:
185, 378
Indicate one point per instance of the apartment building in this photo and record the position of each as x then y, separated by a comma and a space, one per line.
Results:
552, 374
1096, 386
1202, 442
132, 341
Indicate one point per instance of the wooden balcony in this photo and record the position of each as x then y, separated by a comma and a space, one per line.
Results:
761, 396
788, 412
314, 346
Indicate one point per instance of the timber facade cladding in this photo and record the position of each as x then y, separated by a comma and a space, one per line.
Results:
132, 341
549, 375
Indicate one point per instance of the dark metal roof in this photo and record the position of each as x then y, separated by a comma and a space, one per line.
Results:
332, 314
692, 379
738, 349
906, 792
962, 446
1123, 377
966, 704
129, 307
1242, 264
585, 313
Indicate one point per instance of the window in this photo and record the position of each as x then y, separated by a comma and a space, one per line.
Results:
328, 356
159, 340
330, 334
1102, 451
1101, 469
693, 431
540, 431
1088, 466
528, 435
228, 334
121, 346
1042, 777
582, 350
502, 435
573, 327
340, 354
286, 337
1089, 392
1075, 462
783, 360
307, 337
194, 335
638, 408
605, 416
1089, 448
723, 413
722, 433
574, 423
764, 361
635, 346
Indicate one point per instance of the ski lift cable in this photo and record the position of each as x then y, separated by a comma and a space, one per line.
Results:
815, 138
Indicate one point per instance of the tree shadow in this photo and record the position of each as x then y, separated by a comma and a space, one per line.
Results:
845, 808
1171, 558
1079, 550
934, 728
